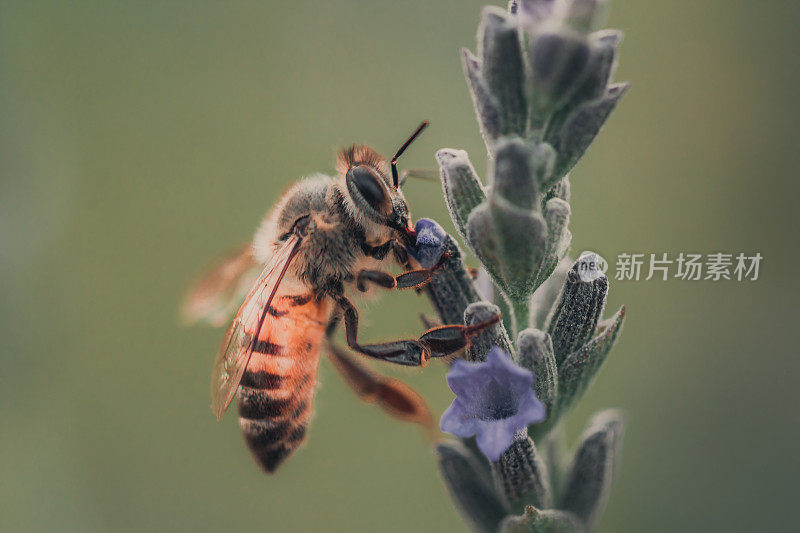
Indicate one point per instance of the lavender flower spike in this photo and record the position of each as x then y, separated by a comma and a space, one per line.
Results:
494, 400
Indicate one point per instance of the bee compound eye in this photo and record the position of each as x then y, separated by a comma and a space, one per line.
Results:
366, 183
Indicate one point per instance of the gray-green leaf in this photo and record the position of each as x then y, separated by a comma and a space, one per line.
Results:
589, 480
487, 108
557, 58
576, 372
477, 501
463, 190
483, 241
494, 335
561, 189
599, 72
535, 352
521, 236
502, 68
546, 295
571, 136
579, 307
513, 175
451, 290
556, 215
522, 475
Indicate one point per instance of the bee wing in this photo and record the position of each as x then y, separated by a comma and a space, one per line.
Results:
237, 345
214, 296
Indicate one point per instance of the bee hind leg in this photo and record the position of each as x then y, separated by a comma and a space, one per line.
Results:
436, 342
393, 396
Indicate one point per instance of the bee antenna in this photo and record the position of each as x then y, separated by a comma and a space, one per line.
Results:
418, 174
395, 177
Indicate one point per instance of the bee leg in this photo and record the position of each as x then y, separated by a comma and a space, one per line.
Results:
445, 340
404, 352
430, 323
414, 279
436, 342
401, 255
377, 277
393, 396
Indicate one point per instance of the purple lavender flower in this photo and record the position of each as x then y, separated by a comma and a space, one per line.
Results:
430, 244
494, 400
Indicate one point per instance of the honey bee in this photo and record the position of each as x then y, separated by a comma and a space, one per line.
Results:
327, 238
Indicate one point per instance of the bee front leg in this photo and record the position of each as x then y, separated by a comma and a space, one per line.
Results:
401, 255
414, 279
410, 279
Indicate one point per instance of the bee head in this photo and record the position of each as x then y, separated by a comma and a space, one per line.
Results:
375, 198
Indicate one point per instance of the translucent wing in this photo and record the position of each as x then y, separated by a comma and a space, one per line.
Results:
237, 345
213, 298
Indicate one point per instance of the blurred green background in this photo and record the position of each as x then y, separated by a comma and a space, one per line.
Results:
140, 140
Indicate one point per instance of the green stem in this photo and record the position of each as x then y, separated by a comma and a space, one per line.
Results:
521, 314
503, 302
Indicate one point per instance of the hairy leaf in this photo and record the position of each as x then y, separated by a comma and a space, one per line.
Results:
522, 474
477, 501
579, 307
573, 135
535, 352
487, 108
589, 480
494, 335
501, 57
463, 191
576, 372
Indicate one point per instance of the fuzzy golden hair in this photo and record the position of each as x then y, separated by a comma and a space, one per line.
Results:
360, 154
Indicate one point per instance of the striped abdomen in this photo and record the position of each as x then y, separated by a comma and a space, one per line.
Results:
277, 388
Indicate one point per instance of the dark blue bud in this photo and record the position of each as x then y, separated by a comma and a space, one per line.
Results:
431, 241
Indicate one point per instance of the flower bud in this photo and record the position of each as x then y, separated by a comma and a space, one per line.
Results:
513, 174
494, 335
579, 308
588, 482
469, 488
557, 61
535, 352
501, 65
572, 135
523, 475
486, 106
463, 191
576, 372
451, 289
